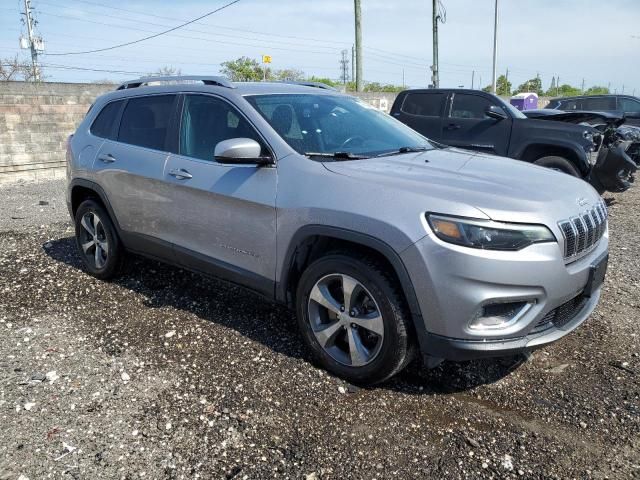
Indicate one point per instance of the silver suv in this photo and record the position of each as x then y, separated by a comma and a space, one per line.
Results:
383, 241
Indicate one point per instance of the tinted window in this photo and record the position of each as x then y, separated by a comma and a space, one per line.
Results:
469, 106
103, 124
145, 121
424, 104
571, 105
629, 105
207, 121
599, 103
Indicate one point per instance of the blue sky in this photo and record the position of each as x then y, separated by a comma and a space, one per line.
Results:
574, 39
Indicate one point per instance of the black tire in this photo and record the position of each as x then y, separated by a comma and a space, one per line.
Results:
396, 347
111, 254
558, 163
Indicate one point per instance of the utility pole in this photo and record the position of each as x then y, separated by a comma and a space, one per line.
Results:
582, 89
403, 84
353, 63
34, 43
495, 49
473, 77
557, 84
358, 18
435, 76
344, 67
623, 89
609, 87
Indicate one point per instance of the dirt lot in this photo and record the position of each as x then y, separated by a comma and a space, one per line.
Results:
163, 374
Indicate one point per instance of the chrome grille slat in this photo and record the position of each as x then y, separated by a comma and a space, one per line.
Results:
583, 233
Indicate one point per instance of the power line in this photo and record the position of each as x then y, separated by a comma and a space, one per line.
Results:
150, 36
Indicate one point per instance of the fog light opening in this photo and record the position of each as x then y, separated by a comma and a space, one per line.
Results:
498, 315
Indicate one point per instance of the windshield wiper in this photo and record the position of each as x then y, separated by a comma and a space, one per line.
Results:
336, 155
404, 150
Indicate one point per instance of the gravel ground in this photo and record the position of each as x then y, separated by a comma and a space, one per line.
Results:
164, 374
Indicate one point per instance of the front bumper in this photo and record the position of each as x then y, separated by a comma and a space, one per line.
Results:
614, 171
453, 284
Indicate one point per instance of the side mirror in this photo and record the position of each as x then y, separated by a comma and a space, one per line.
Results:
240, 151
496, 113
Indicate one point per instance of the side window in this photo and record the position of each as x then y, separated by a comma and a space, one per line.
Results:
207, 121
145, 121
103, 125
423, 104
599, 103
629, 105
469, 106
569, 105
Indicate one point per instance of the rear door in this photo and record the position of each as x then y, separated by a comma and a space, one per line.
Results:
222, 217
467, 125
130, 166
422, 111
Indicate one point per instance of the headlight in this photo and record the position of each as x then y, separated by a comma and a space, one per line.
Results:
486, 234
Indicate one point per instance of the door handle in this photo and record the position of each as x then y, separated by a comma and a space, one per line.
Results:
453, 126
108, 158
180, 174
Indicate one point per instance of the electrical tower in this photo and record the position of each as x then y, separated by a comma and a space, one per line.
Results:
34, 43
344, 66
358, 30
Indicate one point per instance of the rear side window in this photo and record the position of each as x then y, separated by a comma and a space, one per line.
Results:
103, 126
629, 105
145, 121
599, 103
423, 104
469, 106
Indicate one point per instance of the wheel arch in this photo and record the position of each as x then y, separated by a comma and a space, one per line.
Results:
312, 241
536, 151
81, 189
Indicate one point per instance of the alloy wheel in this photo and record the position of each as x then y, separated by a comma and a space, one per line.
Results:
346, 320
93, 240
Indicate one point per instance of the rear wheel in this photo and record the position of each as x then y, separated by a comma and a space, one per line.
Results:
353, 318
558, 163
97, 240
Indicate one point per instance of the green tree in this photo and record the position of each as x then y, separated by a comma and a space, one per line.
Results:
325, 80
533, 85
288, 74
597, 90
244, 69
503, 87
378, 87
564, 90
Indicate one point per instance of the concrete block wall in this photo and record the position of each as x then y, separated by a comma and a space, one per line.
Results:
35, 121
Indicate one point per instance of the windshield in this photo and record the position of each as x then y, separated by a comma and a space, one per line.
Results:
326, 124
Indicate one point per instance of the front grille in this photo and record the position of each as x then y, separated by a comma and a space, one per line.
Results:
582, 233
562, 315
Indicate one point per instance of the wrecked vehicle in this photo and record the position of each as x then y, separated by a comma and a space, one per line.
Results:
480, 121
619, 156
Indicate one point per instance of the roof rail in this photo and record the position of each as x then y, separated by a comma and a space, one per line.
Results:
321, 85
218, 81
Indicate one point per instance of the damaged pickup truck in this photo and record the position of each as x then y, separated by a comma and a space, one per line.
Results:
619, 156
476, 120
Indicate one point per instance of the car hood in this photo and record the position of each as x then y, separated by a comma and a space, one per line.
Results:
576, 117
503, 189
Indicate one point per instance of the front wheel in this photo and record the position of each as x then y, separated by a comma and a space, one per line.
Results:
353, 318
560, 164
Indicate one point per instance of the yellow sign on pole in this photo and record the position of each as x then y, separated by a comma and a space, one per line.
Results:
266, 58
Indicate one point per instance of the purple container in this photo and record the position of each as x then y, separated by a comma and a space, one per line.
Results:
525, 101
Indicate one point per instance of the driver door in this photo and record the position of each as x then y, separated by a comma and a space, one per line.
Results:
223, 216
466, 125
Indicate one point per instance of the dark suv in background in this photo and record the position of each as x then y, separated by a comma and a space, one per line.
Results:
476, 120
621, 104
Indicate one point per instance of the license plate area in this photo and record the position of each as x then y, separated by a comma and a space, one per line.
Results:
597, 273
